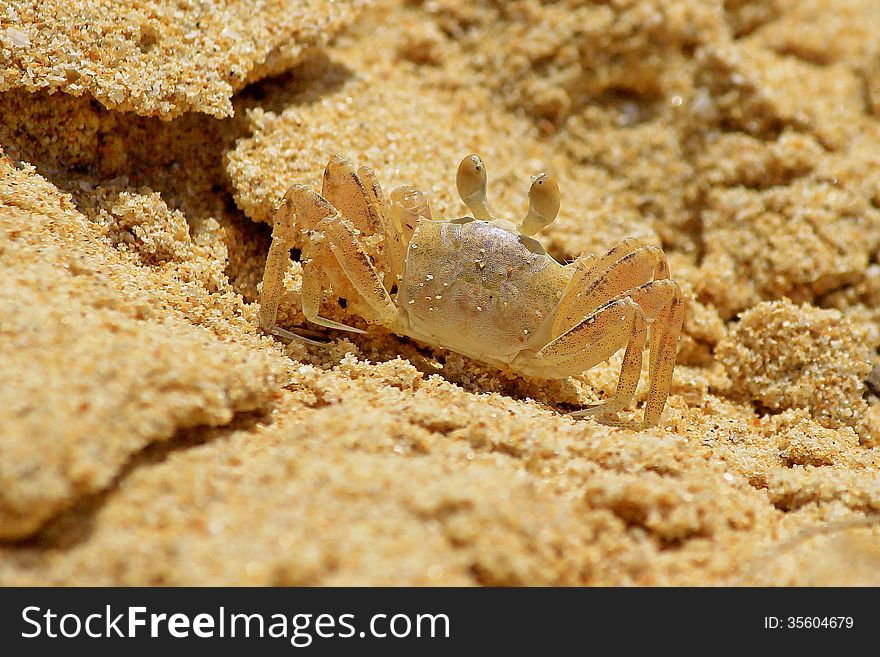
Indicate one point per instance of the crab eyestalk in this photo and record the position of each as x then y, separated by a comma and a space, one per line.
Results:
471, 183
543, 204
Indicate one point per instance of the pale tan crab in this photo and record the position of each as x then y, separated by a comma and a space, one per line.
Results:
480, 286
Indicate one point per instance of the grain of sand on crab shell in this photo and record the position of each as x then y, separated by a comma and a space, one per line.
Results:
415, 133
96, 363
161, 58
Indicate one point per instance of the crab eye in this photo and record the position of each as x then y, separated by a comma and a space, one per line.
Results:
471, 177
544, 195
543, 204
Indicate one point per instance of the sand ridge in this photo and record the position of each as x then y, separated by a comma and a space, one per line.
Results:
159, 58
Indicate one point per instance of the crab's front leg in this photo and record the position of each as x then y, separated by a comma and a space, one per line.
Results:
600, 279
662, 301
358, 197
277, 262
638, 273
594, 340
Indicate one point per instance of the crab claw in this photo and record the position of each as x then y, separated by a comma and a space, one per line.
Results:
407, 205
543, 204
471, 184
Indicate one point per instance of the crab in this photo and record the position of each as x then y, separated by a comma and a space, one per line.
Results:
478, 285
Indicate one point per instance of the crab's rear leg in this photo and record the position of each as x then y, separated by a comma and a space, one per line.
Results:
662, 305
359, 198
342, 241
300, 209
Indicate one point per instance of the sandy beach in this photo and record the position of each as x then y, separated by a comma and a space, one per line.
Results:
152, 434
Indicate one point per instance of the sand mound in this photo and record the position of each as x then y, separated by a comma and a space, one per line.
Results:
161, 58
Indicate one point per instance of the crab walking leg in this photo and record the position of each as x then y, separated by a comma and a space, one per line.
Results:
655, 296
591, 288
662, 305
313, 292
343, 187
630, 371
393, 247
302, 205
277, 263
582, 298
587, 269
345, 190
278, 259
664, 341
358, 197
311, 210
358, 269
594, 340
601, 264
373, 189
594, 267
